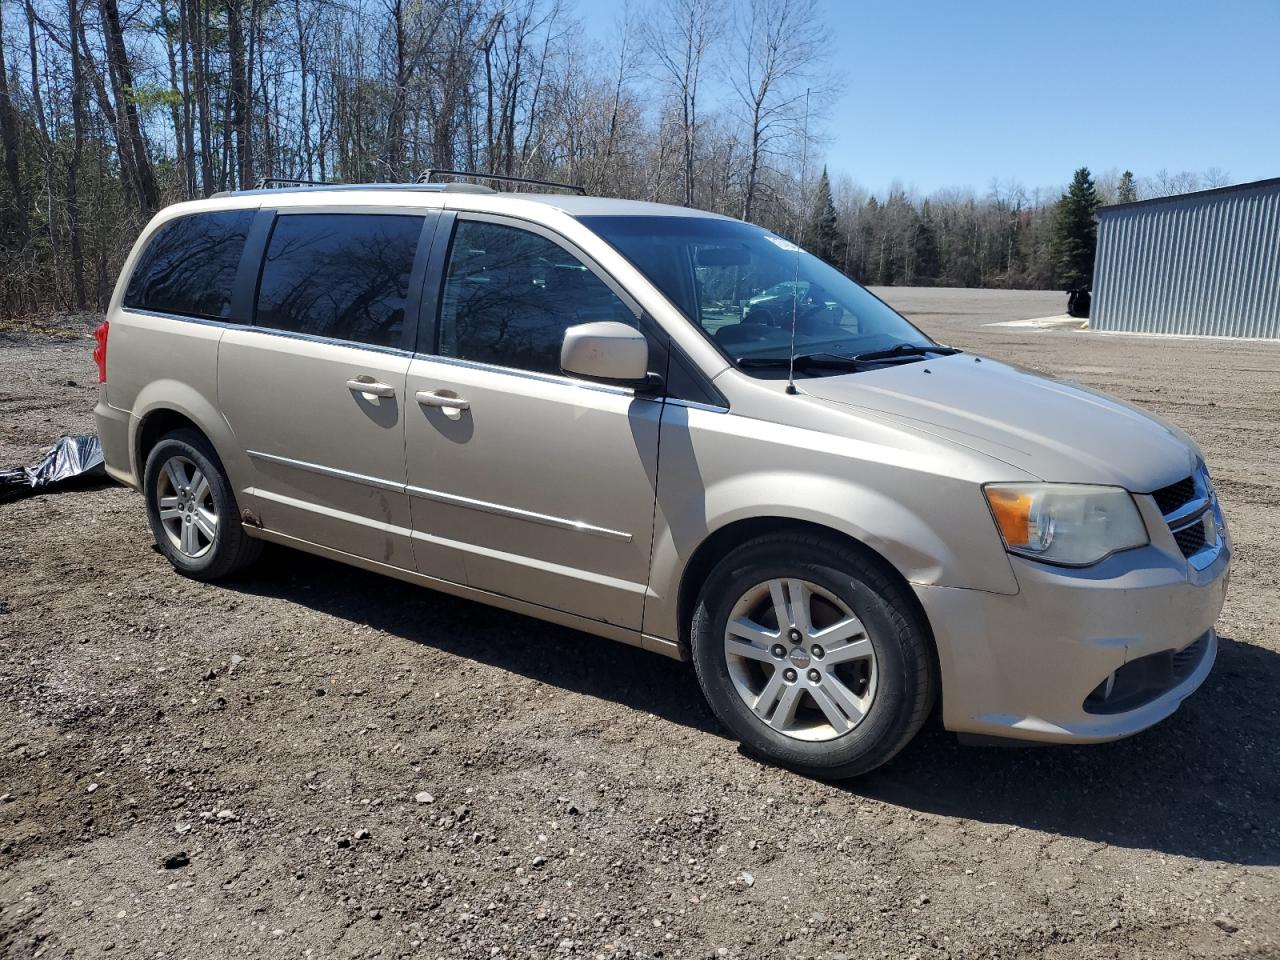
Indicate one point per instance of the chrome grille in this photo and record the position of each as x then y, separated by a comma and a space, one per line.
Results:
1190, 510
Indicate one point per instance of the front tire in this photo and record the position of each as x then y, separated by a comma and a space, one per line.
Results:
192, 509
813, 655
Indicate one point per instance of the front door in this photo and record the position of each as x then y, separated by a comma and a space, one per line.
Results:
315, 389
541, 484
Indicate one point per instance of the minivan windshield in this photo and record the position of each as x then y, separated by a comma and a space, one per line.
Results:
744, 286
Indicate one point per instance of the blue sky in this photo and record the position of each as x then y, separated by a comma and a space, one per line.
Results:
952, 94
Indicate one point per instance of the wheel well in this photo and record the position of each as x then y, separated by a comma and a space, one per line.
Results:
155, 425
728, 538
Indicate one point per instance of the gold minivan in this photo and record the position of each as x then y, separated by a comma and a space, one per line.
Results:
672, 429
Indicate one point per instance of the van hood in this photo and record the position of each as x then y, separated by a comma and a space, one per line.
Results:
1049, 429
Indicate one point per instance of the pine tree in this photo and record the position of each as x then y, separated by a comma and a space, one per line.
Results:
1076, 233
822, 236
928, 259
1127, 190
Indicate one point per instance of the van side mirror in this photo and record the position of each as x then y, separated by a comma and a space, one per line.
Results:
607, 351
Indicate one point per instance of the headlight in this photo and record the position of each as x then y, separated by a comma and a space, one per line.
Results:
1065, 523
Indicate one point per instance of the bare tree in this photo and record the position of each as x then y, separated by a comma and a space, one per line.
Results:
10, 138
680, 35
237, 118
76, 157
109, 109
775, 58
130, 133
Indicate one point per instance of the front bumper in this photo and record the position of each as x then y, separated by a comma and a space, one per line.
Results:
1023, 666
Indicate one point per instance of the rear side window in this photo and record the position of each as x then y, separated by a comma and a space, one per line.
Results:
189, 267
510, 294
340, 275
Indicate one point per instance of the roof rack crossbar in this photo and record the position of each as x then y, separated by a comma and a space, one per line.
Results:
426, 178
265, 183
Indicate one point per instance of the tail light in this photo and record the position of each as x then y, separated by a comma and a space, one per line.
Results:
100, 351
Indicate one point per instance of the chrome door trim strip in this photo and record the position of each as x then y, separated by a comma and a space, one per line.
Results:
272, 332
324, 471
526, 374
516, 513
440, 496
343, 515
696, 405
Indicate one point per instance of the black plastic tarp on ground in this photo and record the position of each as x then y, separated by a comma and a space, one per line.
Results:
74, 461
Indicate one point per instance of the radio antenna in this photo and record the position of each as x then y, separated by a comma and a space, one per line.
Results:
795, 310
795, 289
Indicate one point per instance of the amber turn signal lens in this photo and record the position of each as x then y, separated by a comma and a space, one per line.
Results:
1012, 511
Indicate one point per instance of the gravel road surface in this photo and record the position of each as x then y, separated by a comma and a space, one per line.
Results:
313, 761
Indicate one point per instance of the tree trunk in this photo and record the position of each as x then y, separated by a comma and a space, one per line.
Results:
175, 108
10, 135
753, 165
395, 118
124, 147
126, 107
77, 152
188, 107
200, 55
305, 119
239, 96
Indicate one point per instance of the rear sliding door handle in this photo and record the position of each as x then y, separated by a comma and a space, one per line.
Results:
436, 398
371, 387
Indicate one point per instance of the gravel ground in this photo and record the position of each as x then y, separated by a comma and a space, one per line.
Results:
316, 762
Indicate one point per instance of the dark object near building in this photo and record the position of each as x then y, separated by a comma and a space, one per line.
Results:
1078, 303
71, 461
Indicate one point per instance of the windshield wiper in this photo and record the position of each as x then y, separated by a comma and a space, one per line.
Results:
905, 350
803, 361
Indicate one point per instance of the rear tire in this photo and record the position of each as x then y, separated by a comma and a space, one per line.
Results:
813, 654
192, 509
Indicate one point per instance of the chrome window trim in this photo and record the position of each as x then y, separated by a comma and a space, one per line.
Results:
696, 405
183, 317
498, 509
531, 375
376, 482
327, 341
286, 334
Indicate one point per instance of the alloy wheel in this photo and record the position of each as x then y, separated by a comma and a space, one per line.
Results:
800, 659
184, 502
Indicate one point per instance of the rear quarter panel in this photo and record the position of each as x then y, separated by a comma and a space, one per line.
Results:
157, 362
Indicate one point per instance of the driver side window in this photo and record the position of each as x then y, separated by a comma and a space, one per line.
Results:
510, 294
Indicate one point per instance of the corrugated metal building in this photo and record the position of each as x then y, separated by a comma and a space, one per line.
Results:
1203, 263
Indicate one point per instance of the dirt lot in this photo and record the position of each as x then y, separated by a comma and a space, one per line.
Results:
354, 767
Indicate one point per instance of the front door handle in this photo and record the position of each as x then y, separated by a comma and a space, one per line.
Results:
436, 398
371, 387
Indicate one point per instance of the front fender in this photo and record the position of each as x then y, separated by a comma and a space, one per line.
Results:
922, 511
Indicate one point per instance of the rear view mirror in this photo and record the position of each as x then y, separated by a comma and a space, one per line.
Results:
723, 256
608, 351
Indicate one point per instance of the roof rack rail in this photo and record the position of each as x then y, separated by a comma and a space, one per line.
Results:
265, 183
426, 178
